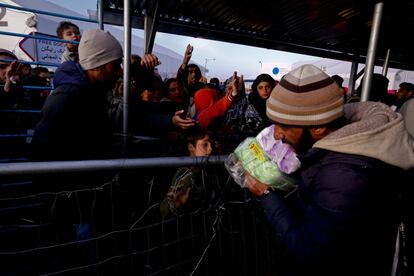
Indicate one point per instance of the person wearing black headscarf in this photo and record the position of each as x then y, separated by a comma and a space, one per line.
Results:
261, 89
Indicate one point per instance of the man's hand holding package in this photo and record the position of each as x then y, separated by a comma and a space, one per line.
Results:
256, 187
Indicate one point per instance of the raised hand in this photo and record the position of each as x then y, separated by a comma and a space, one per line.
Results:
11, 72
12, 77
150, 61
187, 54
203, 79
236, 86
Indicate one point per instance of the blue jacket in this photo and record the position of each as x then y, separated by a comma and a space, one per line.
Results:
69, 73
344, 219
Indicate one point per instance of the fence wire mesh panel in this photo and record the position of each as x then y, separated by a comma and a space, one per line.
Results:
106, 224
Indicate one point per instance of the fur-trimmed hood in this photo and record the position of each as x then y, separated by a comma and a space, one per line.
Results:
373, 130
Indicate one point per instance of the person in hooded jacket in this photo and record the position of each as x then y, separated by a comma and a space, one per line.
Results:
344, 218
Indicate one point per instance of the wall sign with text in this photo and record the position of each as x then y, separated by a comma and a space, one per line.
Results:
44, 50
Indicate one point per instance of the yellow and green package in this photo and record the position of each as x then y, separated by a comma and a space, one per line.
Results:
256, 162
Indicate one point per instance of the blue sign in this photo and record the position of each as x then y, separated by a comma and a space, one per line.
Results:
275, 70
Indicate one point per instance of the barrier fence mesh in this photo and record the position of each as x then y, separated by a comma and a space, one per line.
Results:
104, 224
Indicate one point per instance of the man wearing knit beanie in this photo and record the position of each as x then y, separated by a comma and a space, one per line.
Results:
74, 125
344, 219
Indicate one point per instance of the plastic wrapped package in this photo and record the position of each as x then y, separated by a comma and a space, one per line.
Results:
268, 160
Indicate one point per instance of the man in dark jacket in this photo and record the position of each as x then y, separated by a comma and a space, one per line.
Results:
345, 217
75, 123
75, 126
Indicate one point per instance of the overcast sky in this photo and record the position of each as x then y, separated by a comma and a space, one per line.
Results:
228, 57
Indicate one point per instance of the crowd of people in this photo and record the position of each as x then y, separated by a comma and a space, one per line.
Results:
355, 157
157, 108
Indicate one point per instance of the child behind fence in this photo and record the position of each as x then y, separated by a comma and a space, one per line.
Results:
191, 186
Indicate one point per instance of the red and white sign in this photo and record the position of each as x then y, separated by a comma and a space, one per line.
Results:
42, 49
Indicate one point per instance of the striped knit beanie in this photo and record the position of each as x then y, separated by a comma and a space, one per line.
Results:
305, 96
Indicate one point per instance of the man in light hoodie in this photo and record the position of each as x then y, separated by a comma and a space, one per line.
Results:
355, 158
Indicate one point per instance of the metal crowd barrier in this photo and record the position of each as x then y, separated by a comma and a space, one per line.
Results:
42, 37
19, 111
225, 235
48, 64
15, 135
31, 87
39, 37
110, 164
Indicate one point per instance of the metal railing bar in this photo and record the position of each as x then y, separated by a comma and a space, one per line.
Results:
31, 62
39, 37
15, 135
31, 87
20, 111
27, 168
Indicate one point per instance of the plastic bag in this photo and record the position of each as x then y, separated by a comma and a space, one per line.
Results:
280, 153
268, 160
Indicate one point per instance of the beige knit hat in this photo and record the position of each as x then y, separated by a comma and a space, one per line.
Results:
97, 48
305, 96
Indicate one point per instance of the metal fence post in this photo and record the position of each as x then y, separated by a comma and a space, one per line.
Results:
352, 75
372, 47
127, 62
386, 62
100, 14
150, 28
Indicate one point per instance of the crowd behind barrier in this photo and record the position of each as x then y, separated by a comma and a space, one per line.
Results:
191, 220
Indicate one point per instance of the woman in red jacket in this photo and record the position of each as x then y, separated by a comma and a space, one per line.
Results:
209, 107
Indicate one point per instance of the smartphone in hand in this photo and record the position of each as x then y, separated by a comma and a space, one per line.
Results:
184, 114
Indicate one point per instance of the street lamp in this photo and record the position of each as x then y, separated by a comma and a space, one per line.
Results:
205, 65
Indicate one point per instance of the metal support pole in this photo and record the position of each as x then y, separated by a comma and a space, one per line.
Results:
372, 47
150, 28
386, 62
352, 75
127, 62
100, 14
29, 168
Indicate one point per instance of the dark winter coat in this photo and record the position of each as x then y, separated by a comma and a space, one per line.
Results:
346, 216
74, 122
